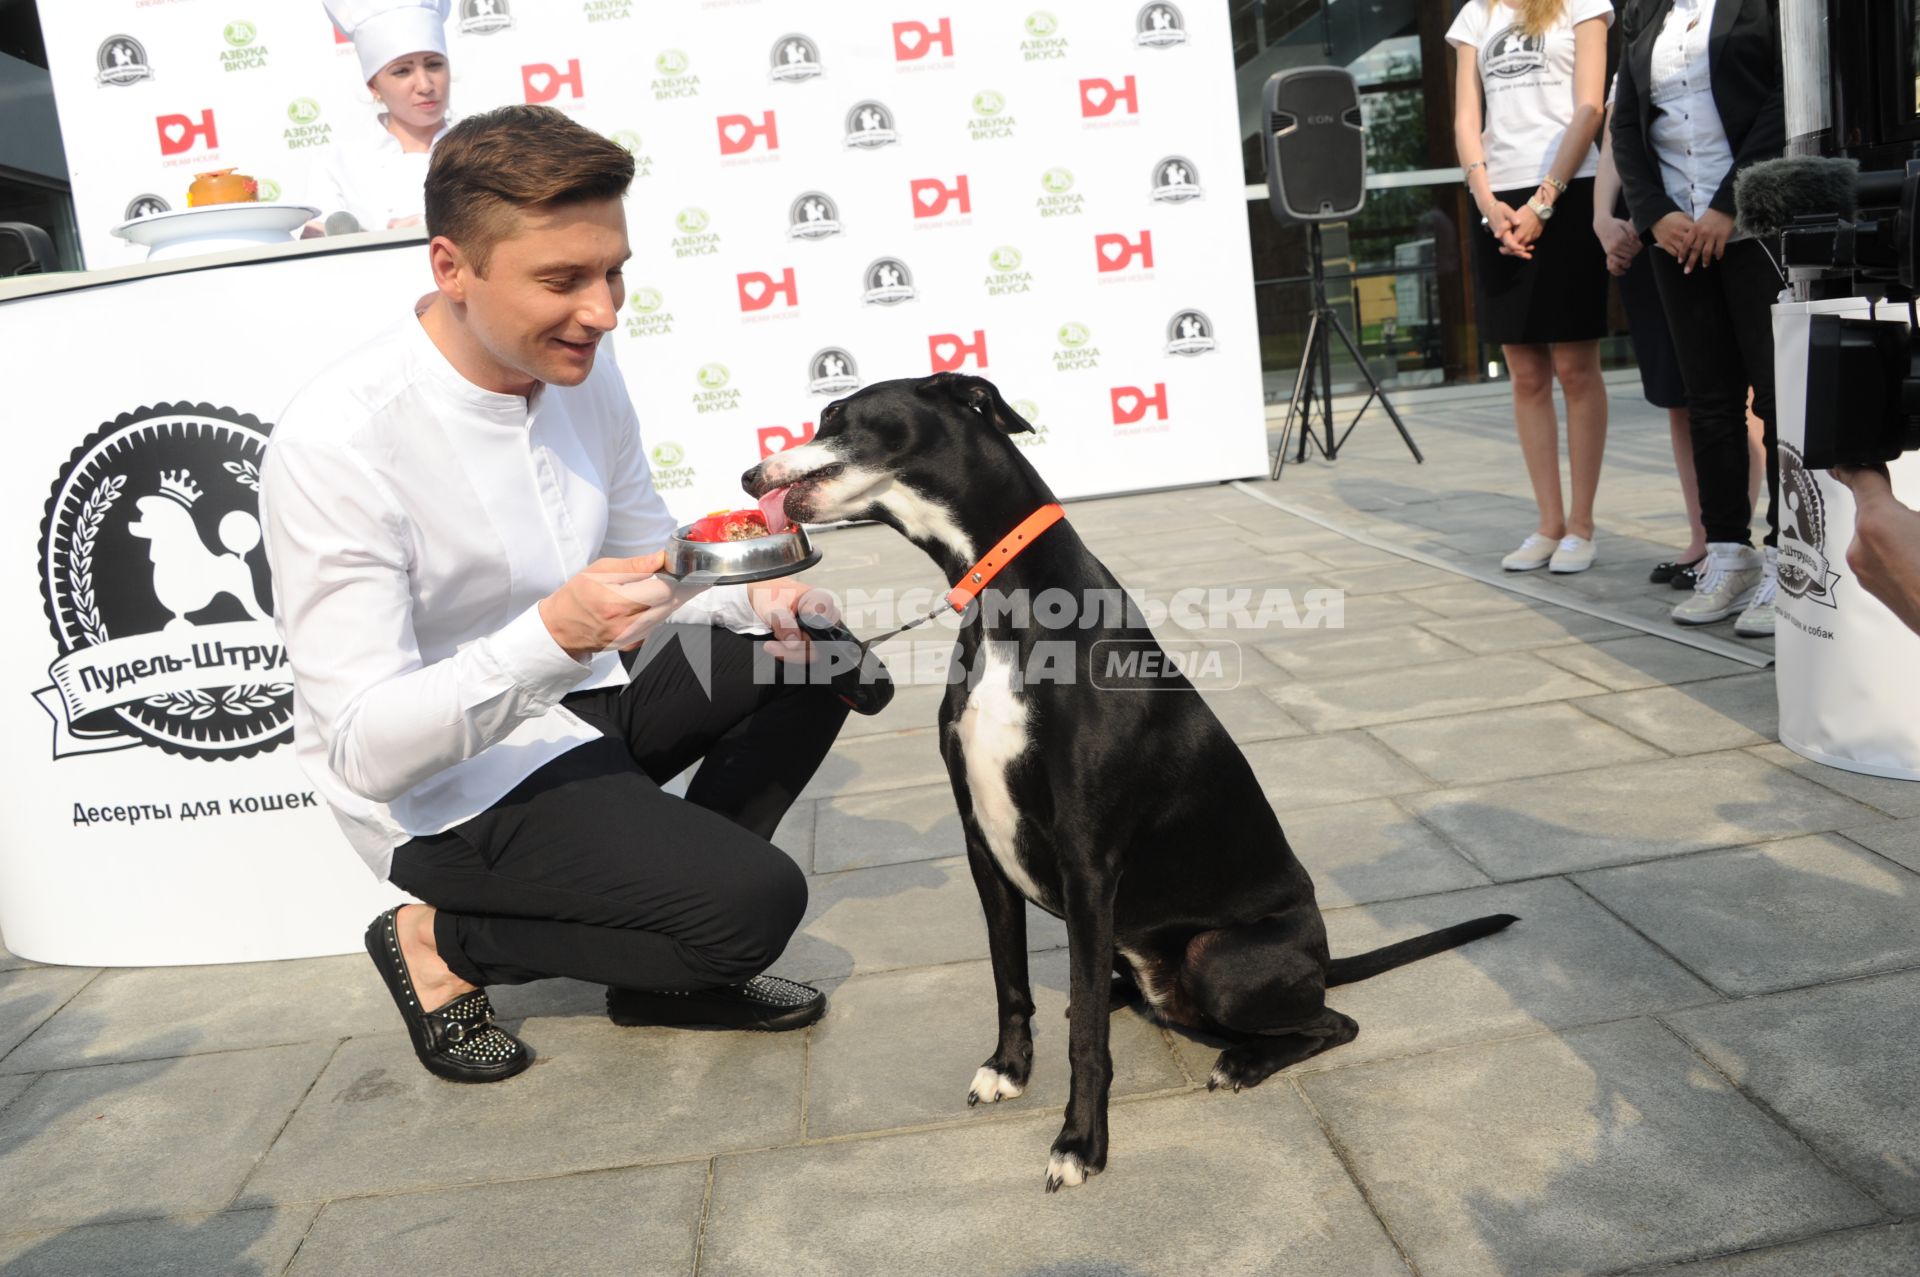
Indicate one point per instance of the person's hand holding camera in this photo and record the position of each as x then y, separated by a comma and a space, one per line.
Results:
1709, 242
1885, 553
1674, 235
610, 603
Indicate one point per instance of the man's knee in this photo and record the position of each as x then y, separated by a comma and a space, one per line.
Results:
768, 908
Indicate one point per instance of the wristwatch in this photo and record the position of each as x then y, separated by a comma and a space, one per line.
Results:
1542, 211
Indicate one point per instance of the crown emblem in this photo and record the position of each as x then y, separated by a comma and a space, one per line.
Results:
179, 485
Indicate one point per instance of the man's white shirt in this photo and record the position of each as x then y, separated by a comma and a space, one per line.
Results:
413, 523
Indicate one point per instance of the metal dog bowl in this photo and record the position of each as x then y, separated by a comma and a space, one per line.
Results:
737, 562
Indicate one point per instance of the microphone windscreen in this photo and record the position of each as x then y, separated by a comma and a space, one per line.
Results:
1770, 195
342, 223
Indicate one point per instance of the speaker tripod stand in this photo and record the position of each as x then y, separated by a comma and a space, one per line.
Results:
1314, 379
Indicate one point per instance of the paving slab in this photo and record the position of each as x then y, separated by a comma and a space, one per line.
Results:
794, 835
1592, 1151
1634, 811
642, 1220
12, 1087
1373, 850
1566, 962
863, 830
900, 1049
1774, 916
1837, 1064
1626, 664
146, 1013
1695, 718
1500, 744
1538, 626
1877, 1250
1898, 798
910, 915
1247, 1181
29, 997
1393, 576
1897, 840
870, 764
1321, 771
247, 1243
159, 1137
1249, 714
1315, 654
1468, 598
596, 1097
1391, 695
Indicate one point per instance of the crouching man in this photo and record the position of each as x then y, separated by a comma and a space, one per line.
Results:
463, 533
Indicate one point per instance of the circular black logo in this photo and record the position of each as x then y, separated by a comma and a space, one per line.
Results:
1514, 53
155, 583
146, 206
1804, 573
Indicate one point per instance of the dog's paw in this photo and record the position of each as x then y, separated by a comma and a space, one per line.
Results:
1238, 1068
991, 1086
1075, 1159
1065, 1170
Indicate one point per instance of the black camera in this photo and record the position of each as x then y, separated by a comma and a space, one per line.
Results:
1844, 208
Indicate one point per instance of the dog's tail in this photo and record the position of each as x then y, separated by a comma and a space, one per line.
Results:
1364, 966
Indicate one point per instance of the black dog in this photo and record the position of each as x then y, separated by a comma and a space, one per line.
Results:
1133, 817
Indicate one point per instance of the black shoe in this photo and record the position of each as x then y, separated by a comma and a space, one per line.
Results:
1685, 575
765, 1003
1663, 573
458, 1042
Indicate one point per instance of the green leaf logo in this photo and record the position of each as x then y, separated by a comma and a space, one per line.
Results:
303, 110
645, 301
1056, 181
713, 376
240, 34
1073, 336
269, 190
668, 455
628, 140
691, 221
1005, 258
1040, 23
671, 62
988, 103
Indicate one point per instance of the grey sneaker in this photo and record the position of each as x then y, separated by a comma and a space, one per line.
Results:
1757, 620
1534, 552
1728, 581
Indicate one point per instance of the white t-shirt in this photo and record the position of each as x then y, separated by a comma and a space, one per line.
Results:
1528, 86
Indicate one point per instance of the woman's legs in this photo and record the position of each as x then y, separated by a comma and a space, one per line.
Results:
1577, 366
1681, 431
1539, 430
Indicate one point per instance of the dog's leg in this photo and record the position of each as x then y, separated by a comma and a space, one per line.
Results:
1265, 982
1006, 1071
1081, 1149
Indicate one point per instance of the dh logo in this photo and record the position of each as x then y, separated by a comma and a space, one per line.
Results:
154, 580
915, 40
738, 133
889, 283
1159, 26
1130, 403
813, 216
931, 197
869, 126
178, 133
484, 17
832, 372
1175, 181
1101, 97
795, 58
1114, 253
758, 290
542, 81
778, 438
120, 61
1189, 332
949, 353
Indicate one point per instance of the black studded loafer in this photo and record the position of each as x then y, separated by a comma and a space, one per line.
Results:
459, 1041
765, 1003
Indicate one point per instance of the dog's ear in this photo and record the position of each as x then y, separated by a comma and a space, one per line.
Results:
983, 397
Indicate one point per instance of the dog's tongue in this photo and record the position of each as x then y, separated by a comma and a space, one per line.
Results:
774, 506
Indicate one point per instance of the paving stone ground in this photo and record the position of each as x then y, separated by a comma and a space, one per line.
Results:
1694, 1053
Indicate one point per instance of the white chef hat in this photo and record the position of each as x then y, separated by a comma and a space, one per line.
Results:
382, 30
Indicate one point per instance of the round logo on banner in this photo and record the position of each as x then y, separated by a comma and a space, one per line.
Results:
889, 283
484, 17
671, 62
989, 102
713, 376
1074, 335
1189, 332
645, 300
870, 125
1160, 26
1804, 570
691, 221
146, 206
795, 57
1176, 181
832, 372
668, 455
1056, 181
1005, 258
303, 110
1041, 24
121, 60
240, 33
155, 584
813, 216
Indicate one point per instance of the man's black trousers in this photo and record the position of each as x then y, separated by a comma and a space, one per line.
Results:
586, 869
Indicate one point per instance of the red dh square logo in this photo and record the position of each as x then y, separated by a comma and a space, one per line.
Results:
738, 133
1114, 252
915, 40
178, 133
542, 81
778, 438
759, 290
949, 352
932, 197
1130, 403
1101, 97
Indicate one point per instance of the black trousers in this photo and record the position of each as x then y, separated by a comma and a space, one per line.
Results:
1722, 322
586, 869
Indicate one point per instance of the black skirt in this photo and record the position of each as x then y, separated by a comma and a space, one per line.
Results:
1652, 339
1561, 294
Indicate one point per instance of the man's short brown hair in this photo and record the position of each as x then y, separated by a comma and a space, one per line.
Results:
488, 167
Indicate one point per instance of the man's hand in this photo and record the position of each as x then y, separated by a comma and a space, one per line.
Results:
610, 603
1620, 241
1885, 553
1710, 236
779, 604
1674, 234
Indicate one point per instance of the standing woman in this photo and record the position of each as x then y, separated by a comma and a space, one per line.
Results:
1530, 80
1699, 99
378, 171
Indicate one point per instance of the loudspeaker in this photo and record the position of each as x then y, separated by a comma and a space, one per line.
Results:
1316, 147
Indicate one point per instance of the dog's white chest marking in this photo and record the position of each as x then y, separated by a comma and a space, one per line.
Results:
992, 732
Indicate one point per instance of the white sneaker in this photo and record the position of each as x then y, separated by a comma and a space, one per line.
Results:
1728, 581
1534, 552
1757, 620
1574, 554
